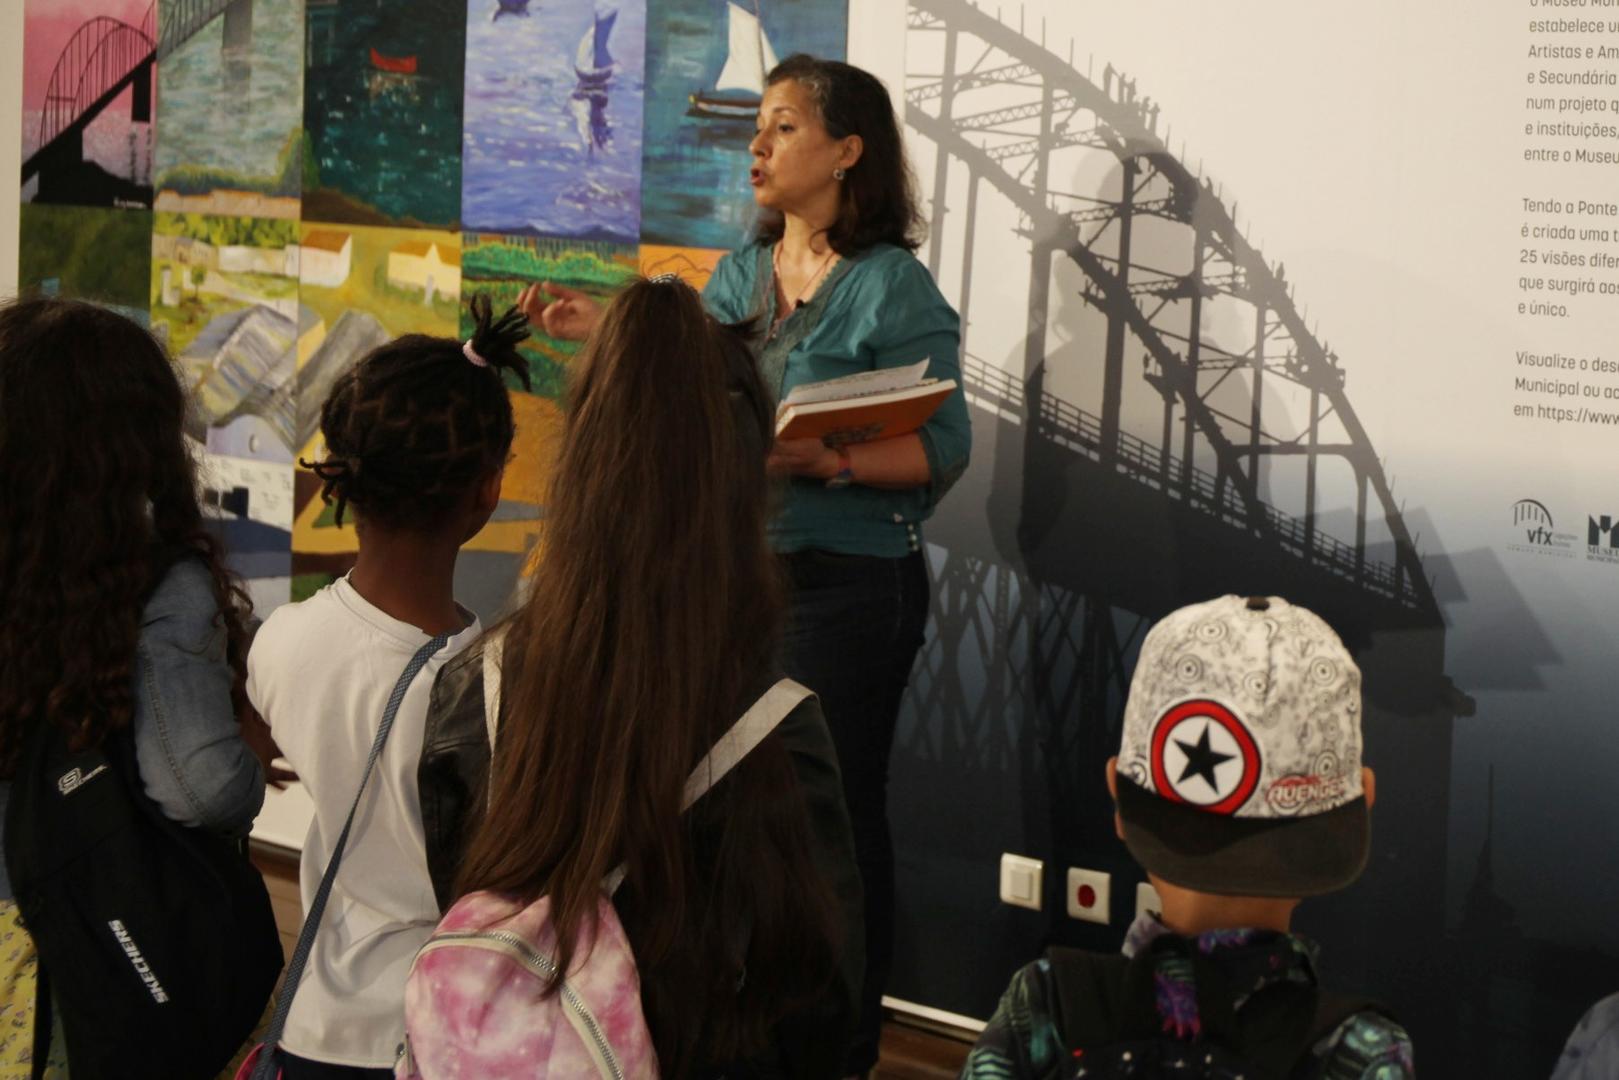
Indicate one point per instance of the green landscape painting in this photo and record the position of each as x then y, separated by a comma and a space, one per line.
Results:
503, 265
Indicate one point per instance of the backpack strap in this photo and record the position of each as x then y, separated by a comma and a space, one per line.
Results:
44, 1022
268, 1066
1089, 995
762, 717
494, 649
1332, 1011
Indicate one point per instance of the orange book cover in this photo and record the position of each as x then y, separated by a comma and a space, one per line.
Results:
864, 419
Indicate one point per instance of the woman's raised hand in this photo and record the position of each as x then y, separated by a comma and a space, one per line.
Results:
563, 313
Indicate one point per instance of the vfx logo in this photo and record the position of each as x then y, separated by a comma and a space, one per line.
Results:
1539, 537
1535, 518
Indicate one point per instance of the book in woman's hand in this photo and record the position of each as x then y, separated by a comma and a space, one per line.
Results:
864, 407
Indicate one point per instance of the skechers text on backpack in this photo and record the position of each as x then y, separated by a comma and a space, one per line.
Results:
157, 944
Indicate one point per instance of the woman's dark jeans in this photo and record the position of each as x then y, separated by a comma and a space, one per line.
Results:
854, 628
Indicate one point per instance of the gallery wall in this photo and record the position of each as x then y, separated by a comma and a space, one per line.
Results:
11, 46
1310, 303
1318, 303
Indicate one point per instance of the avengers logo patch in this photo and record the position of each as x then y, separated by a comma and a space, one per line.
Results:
1203, 755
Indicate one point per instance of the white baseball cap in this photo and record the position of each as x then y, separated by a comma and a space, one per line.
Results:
1240, 761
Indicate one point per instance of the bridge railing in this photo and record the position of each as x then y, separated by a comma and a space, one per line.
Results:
180, 20
1066, 424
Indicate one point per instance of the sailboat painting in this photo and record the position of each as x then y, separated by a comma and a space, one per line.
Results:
551, 143
706, 66
748, 60
593, 62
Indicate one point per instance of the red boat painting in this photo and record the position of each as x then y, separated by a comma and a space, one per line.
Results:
397, 65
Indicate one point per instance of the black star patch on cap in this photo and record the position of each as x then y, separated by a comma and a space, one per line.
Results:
1202, 754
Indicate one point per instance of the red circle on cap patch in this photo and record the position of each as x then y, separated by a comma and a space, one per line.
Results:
1184, 716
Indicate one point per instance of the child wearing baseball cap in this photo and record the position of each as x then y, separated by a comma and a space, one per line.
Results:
1239, 788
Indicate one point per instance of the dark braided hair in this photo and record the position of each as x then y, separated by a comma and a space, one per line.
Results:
98, 499
418, 421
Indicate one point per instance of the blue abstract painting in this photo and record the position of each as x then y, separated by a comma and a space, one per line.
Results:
552, 142
706, 62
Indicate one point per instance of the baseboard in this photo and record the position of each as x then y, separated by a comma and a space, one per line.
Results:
937, 1021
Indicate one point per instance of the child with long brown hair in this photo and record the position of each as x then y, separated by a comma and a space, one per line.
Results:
651, 625
124, 632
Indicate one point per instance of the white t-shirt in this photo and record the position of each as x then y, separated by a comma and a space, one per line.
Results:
320, 674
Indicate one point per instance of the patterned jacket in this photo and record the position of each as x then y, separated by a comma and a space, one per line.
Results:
1023, 1040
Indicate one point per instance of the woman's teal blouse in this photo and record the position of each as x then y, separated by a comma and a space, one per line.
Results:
877, 309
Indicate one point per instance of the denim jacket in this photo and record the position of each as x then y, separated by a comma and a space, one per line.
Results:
193, 762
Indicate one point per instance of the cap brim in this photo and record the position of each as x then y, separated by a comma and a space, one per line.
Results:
1231, 856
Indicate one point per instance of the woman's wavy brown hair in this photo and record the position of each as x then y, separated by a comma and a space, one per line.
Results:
877, 198
653, 615
98, 497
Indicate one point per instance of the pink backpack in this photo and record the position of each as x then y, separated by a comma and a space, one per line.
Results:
473, 1004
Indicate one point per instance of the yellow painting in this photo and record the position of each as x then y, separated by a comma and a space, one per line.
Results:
694, 265
369, 285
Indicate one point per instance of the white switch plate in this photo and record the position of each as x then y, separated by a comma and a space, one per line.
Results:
1021, 880
1101, 887
1147, 899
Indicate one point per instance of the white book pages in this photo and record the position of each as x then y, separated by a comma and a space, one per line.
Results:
881, 381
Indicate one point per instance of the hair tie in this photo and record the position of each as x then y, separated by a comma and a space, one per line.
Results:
472, 354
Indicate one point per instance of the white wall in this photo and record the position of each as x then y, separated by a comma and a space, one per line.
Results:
10, 138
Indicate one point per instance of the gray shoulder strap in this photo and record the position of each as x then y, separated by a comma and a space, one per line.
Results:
493, 647
760, 720
763, 717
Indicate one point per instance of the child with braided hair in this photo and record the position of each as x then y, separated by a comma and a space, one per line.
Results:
417, 437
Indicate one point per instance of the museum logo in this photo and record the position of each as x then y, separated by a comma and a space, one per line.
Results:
1602, 539
1535, 533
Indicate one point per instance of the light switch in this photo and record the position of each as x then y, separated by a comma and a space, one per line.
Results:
1089, 893
1021, 880
1147, 899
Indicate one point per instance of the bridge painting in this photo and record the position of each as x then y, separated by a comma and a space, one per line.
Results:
229, 133
87, 103
1165, 426
87, 114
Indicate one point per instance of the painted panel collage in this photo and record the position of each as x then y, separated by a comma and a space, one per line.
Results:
276, 187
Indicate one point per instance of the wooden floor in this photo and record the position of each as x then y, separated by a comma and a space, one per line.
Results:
908, 1053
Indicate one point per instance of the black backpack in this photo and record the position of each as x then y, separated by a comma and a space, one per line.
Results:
157, 943
1106, 1012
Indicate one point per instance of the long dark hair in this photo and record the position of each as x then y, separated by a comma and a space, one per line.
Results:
877, 200
98, 496
412, 426
654, 608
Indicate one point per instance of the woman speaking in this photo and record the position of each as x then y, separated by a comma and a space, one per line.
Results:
832, 287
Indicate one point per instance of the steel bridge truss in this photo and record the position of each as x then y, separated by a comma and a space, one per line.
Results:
104, 57
1163, 261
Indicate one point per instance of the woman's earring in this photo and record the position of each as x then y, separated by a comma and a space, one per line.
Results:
838, 174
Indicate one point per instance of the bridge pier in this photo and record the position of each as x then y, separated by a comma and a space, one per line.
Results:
1194, 349
140, 103
239, 25
1113, 354
941, 168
